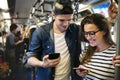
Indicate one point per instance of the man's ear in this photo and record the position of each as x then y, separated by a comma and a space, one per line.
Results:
53, 15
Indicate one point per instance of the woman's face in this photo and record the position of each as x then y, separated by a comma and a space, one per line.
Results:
93, 34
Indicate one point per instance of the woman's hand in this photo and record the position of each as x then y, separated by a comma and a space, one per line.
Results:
113, 11
116, 60
82, 71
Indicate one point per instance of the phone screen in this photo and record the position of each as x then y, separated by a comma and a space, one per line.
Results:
81, 69
54, 55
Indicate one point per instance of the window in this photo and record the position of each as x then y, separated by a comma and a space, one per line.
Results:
102, 9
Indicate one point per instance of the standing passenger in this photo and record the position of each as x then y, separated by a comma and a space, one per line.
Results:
99, 55
11, 46
59, 36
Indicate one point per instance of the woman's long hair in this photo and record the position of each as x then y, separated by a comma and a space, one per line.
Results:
103, 25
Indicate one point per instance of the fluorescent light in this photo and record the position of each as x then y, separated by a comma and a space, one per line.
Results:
82, 6
33, 10
3, 4
7, 18
6, 15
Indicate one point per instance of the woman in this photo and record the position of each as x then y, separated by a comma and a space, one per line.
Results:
96, 62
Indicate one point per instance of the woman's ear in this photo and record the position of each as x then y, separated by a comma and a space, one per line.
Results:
104, 32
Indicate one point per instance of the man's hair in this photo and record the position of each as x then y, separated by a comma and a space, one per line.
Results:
63, 7
13, 27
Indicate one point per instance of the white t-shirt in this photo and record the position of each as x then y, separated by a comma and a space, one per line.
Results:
62, 71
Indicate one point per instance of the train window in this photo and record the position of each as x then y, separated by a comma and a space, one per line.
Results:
102, 9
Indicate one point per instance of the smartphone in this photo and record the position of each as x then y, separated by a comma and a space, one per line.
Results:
54, 55
81, 69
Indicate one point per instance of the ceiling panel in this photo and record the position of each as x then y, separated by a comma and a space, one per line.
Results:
22, 10
23, 7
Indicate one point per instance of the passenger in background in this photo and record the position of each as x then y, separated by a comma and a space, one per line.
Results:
30, 70
59, 36
11, 46
24, 31
24, 36
20, 48
3, 37
97, 63
31, 33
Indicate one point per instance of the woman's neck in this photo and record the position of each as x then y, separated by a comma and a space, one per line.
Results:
102, 47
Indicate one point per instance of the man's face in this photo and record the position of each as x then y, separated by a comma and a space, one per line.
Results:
15, 31
62, 22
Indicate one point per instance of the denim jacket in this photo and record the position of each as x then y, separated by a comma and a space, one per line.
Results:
43, 43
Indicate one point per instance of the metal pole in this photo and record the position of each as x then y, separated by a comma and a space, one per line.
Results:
117, 69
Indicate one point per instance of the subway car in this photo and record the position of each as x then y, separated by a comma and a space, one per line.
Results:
28, 15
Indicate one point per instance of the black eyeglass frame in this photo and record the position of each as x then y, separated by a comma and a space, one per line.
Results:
90, 33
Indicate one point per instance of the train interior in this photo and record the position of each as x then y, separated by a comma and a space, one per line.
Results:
34, 13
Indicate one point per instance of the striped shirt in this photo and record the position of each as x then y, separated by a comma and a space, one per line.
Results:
101, 67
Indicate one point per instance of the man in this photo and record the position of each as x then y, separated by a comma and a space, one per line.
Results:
11, 47
60, 36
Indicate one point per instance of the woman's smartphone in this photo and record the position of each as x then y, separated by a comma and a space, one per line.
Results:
81, 69
54, 55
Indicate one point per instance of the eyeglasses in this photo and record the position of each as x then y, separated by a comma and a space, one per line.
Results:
90, 33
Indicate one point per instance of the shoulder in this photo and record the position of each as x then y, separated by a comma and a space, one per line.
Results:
111, 50
43, 30
113, 47
73, 27
10, 34
44, 27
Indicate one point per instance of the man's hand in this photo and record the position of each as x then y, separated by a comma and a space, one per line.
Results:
48, 62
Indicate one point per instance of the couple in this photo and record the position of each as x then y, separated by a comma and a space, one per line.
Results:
62, 36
